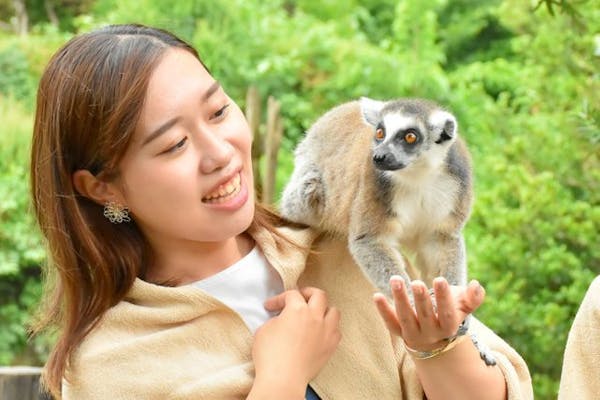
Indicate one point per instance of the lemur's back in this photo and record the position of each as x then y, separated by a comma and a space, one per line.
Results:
334, 146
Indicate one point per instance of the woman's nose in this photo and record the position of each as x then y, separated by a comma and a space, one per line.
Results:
216, 154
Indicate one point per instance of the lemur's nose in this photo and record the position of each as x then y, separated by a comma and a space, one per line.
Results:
386, 162
379, 159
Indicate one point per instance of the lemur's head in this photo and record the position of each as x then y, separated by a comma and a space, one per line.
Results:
408, 133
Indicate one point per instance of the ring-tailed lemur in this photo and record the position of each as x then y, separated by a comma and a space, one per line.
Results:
387, 175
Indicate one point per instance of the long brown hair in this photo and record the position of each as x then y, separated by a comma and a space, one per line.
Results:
88, 104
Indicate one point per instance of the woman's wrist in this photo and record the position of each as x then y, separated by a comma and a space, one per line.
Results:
437, 350
439, 375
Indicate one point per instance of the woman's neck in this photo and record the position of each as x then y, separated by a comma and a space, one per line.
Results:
185, 262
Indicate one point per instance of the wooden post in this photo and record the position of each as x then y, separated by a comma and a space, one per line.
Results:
253, 117
51, 12
272, 144
21, 383
21, 17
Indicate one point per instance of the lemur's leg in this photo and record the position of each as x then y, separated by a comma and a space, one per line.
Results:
303, 198
445, 255
378, 260
371, 239
442, 255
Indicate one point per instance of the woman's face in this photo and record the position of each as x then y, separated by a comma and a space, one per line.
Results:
187, 174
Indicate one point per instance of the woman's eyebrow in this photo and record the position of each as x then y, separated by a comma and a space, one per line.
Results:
211, 90
160, 130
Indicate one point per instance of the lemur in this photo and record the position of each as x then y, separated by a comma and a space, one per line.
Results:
387, 175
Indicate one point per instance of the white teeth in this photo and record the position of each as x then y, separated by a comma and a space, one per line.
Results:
225, 191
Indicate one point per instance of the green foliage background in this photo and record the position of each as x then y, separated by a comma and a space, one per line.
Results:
523, 82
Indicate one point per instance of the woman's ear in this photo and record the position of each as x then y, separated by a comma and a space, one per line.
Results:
95, 189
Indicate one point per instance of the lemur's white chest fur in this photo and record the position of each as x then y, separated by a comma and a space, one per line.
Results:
421, 206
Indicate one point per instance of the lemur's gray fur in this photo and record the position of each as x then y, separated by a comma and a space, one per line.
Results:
358, 174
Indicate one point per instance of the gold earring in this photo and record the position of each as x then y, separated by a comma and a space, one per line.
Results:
116, 213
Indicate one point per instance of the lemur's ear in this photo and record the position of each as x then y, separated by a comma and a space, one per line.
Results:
371, 110
444, 124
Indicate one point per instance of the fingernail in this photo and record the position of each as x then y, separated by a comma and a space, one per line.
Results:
440, 284
417, 289
396, 284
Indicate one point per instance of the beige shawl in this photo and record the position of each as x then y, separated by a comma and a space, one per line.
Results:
580, 379
180, 343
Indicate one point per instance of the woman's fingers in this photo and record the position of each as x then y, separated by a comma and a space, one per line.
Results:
427, 319
446, 307
332, 321
316, 299
404, 310
474, 298
300, 340
277, 303
387, 313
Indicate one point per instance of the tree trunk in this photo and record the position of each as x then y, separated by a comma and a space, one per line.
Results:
253, 118
51, 12
272, 143
21, 17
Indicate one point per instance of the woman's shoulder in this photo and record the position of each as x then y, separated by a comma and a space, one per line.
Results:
590, 304
154, 328
144, 309
594, 289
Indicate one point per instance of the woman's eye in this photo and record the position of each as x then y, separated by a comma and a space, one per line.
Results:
178, 146
220, 113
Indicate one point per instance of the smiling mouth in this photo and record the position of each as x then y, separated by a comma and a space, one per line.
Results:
224, 192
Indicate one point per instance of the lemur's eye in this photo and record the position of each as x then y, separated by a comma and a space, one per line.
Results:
379, 134
410, 137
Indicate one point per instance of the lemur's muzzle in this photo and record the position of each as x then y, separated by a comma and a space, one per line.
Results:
386, 162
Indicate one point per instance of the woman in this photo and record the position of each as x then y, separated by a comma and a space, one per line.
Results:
143, 187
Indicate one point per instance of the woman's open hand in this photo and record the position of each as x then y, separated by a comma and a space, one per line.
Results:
424, 327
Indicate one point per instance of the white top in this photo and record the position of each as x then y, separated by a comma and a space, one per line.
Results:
244, 287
